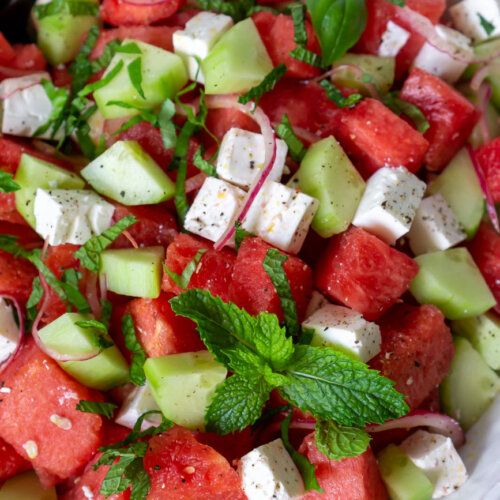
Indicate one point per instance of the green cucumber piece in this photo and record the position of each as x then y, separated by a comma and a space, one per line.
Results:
403, 479
459, 186
327, 174
450, 280
238, 61
470, 387
127, 174
163, 75
483, 332
33, 173
26, 486
135, 272
380, 68
103, 372
184, 384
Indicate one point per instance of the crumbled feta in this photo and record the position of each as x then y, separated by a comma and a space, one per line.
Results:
435, 226
213, 208
71, 215
9, 332
268, 472
439, 63
436, 456
195, 41
465, 16
393, 40
31, 449
139, 401
389, 203
241, 157
317, 301
346, 330
281, 216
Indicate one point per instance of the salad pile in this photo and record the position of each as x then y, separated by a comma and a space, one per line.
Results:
248, 250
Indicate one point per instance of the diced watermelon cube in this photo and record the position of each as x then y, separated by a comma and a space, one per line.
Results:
219, 121
181, 468
25, 235
181, 17
252, 289
11, 463
7, 52
363, 273
374, 137
117, 13
355, 478
40, 390
8, 210
488, 156
450, 115
416, 351
28, 57
231, 446
16, 276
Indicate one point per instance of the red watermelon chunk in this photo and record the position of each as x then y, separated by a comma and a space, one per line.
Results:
7, 53
374, 137
252, 289
213, 272
363, 273
417, 350
219, 121
355, 478
181, 468
488, 156
11, 463
39, 390
450, 115
8, 210
16, 276
28, 57
116, 12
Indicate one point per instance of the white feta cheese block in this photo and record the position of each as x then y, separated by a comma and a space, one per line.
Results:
436, 456
281, 216
317, 301
139, 401
71, 215
9, 332
268, 472
345, 330
195, 41
435, 226
465, 16
241, 157
439, 63
25, 106
214, 208
393, 40
389, 203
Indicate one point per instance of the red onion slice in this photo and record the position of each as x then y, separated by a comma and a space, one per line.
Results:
195, 182
270, 144
490, 205
484, 95
90, 292
19, 89
103, 288
20, 341
436, 422
130, 238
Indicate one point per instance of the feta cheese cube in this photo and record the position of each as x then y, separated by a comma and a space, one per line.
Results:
214, 208
439, 63
9, 332
25, 106
268, 472
71, 215
393, 40
139, 401
317, 301
389, 203
435, 226
465, 16
198, 37
241, 156
436, 456
281, 216
345, 330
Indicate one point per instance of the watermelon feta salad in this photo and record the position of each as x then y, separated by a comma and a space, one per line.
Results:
248, 249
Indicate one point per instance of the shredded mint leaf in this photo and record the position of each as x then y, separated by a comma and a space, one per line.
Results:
7, 185
306, 56
129, 48
487, 26
166, 125
89, 253
399, 3
237, 9
334, 94
107, 308
101, 340
34, 298
69, 281
270, 80
134, 70
273, 265
182, 280
337, 442
59, 97
306, 468
75, 8
79, 8
399, 107
92, 87
96, 407
205, 166
299, 24
137, 375
296, 147
240, 234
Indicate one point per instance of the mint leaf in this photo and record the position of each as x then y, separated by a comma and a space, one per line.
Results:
75, 8
240, 234
400, 107
237, 9
89, 253
182, 280
166, 125
92, 87
96, 407
59, 98
69, 281
205, 166
296, 148
107, 308
7, 185
487, 26
399, 3
81, 8
270, 80
299, 24
101, 340
129, 48
141, 482
334, 94
273, 265
81, 66
134, 70
337, 442
34, 298
136, 375
306, 56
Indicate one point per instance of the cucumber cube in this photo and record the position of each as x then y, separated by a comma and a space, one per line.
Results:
135, 272
470, 386
26, 486
184, 384
127, 174
450, 280
163, 75
103, 372
327, 174
238, 62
